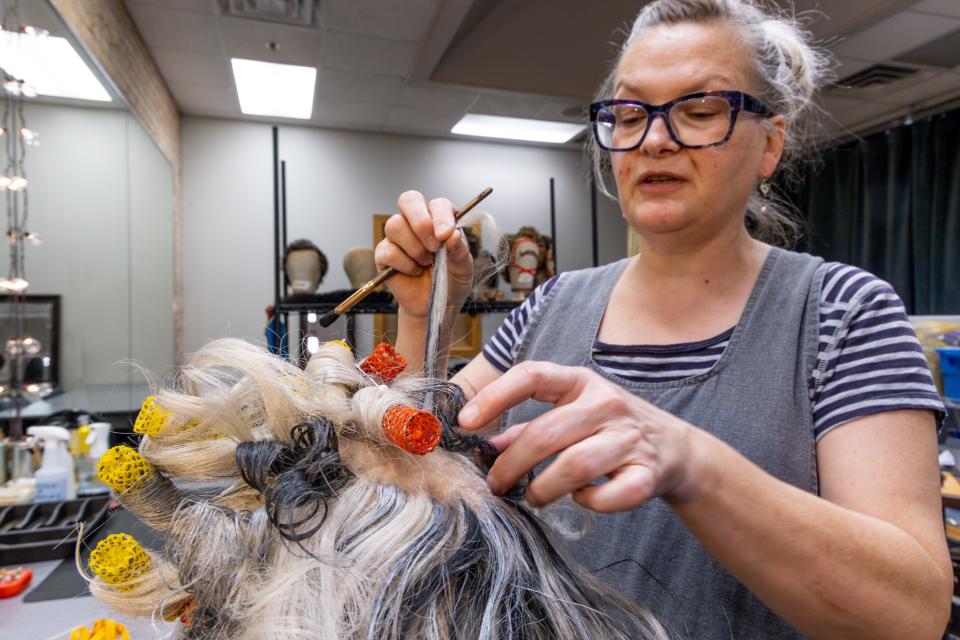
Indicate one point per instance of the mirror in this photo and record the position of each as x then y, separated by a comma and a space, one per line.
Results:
101, 198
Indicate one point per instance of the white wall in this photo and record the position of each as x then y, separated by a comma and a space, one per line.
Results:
336, 180
101, 197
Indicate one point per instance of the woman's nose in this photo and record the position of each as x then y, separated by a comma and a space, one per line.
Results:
659, 140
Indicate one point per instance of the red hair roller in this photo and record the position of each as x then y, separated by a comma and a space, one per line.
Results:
414, 430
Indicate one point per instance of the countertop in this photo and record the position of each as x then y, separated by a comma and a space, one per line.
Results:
98, 398
54, 619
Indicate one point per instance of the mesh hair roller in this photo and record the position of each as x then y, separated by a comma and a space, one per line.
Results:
414, 430
119, 560
151, 496
384, 363
152, 418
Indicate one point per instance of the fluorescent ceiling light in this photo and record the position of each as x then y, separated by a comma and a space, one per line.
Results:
516, 128
50, 65
270, 89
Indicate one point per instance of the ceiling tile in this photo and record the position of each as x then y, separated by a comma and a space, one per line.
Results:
882, 92
340, 113
940, 7
245, 38
849, 115
942, 52
510, 105
830, 18
895, 35
370, 55
195, 68
422, 120
356, 86
199, 98
435, 97
181, 30
208, 7
931, 91
566, 111
846, 67
409, 20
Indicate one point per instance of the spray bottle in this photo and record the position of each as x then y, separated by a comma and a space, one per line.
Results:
94, 442
55, 479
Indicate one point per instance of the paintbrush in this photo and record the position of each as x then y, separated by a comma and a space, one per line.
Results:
389, 272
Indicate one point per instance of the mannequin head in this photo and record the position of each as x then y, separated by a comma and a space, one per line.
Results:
304, 266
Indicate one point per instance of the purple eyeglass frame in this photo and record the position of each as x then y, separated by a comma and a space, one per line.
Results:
739, 101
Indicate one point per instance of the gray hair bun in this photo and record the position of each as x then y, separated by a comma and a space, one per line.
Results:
789, 71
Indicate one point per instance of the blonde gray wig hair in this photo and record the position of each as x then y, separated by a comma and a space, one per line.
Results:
788, 70
325, 529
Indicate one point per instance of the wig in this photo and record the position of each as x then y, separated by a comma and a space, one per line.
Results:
545, 268
344, 510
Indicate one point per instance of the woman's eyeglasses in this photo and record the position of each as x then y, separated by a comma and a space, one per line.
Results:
694, 121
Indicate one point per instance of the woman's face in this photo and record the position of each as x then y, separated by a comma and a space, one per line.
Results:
666, 189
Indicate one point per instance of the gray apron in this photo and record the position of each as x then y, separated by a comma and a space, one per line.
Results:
756, 398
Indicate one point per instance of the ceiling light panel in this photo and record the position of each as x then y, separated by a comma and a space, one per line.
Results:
270, 89
51, 66
487, 126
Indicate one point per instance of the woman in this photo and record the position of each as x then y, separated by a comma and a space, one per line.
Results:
778, 406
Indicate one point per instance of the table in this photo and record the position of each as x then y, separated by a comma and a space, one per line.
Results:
54, 619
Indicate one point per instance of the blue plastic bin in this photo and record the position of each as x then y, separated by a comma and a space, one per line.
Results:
950, 368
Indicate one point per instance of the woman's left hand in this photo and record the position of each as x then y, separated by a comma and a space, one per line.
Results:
597, 428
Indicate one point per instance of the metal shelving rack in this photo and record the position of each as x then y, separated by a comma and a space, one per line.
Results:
284, 305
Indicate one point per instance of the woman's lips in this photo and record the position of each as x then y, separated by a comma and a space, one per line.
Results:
659, 182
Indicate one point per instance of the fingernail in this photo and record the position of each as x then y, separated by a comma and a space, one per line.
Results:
442, 228
494, 485
496, 442
468, 414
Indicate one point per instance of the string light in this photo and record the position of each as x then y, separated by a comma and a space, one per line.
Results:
39, 388
13, 183
14, 285
19, 137
30, 30
28, 345
17, 87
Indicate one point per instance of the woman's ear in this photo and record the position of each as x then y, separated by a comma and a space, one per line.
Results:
776, 133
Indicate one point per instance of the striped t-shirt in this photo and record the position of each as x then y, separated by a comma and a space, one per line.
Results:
869, 358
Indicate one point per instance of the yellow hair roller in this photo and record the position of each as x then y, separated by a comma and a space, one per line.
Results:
152, 418
102, 630
342, 343
122, 468
119, 559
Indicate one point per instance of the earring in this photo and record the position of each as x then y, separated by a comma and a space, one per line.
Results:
765, 194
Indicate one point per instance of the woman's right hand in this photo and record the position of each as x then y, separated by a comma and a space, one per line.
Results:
412, 237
